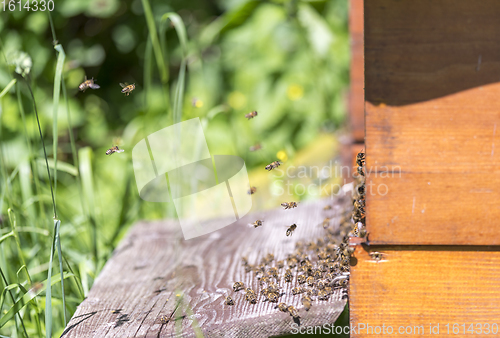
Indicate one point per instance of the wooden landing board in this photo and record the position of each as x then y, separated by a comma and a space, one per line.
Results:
413, 287
432, 75
152, 268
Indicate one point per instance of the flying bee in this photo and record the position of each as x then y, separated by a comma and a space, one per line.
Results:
113, 150
289, 205
252, 190
88, 84
126, 88
326, 222
283, 307
255, 147
293, 312
288, 276
306, 301
273, 165
229, 300
291, 229
251, 115
257, 223
238, 286
327, 207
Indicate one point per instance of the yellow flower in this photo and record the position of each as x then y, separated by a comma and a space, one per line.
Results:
237, 100
295, 92
282, 156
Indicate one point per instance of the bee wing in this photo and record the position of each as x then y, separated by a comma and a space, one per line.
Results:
123, 85
119, 151
94, 86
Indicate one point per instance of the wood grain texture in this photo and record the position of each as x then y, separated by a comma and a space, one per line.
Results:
153, 265
420, 50
356, 89
432, 113
415, 286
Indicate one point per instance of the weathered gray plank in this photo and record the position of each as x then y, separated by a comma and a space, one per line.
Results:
153, 265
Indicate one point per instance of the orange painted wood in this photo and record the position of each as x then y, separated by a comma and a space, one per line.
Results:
414, 287
356, 90
432, 113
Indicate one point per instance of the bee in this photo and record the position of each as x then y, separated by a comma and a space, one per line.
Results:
376, 256
334, 267
273, 165
283, 307
301, 279
360, 158
113, 150
312, 292
270, 257
273, 287
238, 286
88, 84
317, 273
344, 282
272, 297
264, 280
293, 312
255, 147
323, 295
229, 300
292, 262
244, 261
320, 284
326, 222
289, 205
252, 190
251, 115
306, 301
164, 319
291, 229
273, 272
363, 233
361, 171
310, 281
280, 264
327, 207
251, 296
288, 276
248, 268
126, 88
257, 223
297, 290
323, 255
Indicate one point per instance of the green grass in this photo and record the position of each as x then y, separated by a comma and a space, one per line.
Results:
64, 204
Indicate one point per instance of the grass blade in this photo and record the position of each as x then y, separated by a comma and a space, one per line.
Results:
6, 89
48, 297
154, 39
55, 105
59, 254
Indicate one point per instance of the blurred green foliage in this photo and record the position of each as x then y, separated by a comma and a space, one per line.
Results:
287, 59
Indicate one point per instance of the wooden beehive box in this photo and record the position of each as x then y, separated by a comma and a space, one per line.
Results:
432, 83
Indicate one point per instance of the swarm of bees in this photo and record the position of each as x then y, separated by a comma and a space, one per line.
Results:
251, 115
113, 150
252, 190
289, 205
273, 165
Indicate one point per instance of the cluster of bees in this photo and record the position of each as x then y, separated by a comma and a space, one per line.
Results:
317, 268
126, 89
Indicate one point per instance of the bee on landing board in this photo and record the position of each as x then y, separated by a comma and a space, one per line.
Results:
306, 301
283, 307
113, 150
238, 286
289, 205
251, 115
252, 190
257, 223
229, 301
291, 229
273, 165
126, 88
88, 84
293, 312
